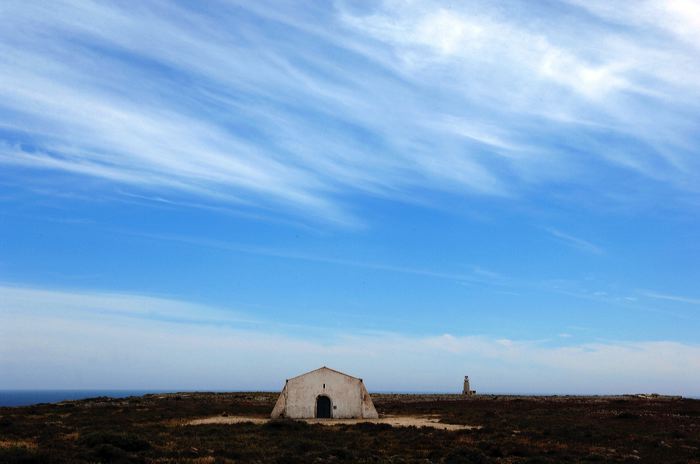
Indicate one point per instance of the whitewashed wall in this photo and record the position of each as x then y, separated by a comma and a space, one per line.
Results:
348, 395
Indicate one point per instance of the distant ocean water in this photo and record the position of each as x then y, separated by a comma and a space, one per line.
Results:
29, 397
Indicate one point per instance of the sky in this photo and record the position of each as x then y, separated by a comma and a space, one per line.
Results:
223, 195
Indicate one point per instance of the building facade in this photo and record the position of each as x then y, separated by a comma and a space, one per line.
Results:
324, 393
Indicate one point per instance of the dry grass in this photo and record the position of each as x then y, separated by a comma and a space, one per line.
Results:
28, 444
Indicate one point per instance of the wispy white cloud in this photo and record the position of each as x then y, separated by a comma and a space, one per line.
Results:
679, 18
407, 96
132, 341
476, 275
677, 298
594, 78
576, 242
76, 306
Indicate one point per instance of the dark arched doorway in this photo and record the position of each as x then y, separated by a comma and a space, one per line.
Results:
323, 407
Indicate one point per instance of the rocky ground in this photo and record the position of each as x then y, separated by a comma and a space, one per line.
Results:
510, 429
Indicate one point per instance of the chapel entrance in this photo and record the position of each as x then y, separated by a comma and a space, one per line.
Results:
323, 407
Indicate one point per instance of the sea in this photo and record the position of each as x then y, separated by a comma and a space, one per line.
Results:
29, 397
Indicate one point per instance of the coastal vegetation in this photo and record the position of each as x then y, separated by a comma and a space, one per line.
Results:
511, 429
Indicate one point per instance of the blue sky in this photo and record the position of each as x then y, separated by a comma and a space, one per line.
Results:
222, 196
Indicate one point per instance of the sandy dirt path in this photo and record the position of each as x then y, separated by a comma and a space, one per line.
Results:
394, 421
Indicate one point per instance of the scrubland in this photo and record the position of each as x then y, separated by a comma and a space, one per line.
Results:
508, 429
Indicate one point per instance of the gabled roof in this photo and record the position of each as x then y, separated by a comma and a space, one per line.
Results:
327, 369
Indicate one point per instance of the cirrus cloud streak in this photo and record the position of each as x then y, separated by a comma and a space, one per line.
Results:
255, 105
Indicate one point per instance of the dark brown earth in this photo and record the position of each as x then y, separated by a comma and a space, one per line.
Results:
513, 430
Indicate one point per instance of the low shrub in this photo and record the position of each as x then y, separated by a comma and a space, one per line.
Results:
22, 455
466, 455
285, 424
125, 441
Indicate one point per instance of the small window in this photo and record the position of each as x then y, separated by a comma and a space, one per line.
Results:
324, 385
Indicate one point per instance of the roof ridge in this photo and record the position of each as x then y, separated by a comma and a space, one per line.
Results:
329, 369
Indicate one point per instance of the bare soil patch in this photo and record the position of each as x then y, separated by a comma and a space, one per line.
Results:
394, 421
